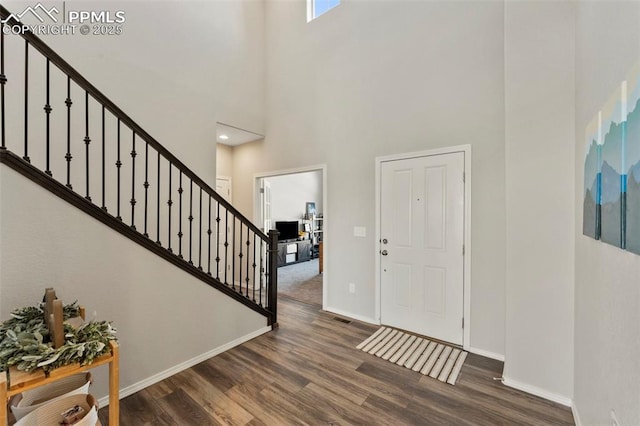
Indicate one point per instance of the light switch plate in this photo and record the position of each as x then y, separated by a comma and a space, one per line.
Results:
359, 231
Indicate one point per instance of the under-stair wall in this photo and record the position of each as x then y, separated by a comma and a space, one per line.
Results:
164, 316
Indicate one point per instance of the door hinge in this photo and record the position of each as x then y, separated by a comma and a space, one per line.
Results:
262, 190
463, 249
464, 177
462, 322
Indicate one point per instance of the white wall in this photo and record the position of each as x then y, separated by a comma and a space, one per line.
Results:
290, 193
607, 294
539, 81
224, 160
164, 316
377, 78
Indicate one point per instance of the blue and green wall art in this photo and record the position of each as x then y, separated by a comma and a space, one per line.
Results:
611, 196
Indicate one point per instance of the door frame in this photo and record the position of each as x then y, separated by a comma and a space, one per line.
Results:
326, 235
466, 149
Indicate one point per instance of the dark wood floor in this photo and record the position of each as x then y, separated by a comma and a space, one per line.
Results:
309, 372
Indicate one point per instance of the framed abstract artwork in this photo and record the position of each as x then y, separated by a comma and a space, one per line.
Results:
591, 194
611, 187
632, 162
612, 129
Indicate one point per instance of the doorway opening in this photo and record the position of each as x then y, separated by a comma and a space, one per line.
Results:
294, 202
423, 203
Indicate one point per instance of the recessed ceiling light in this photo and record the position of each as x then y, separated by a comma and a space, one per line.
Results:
223, 137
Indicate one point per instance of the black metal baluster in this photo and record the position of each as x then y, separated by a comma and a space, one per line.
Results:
26, 102
118, 165
261, 272
104, 204
266, 281
3, 81
68, 156
255, 247
47, 111
87, 139
146, 186
239, 257
233, 251
191, 222
218, 242
133, 181
209, 232
158, 216
180, 190
247, 279
226, 245
200, 233
169, 203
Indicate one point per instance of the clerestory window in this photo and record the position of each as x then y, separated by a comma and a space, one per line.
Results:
316, 8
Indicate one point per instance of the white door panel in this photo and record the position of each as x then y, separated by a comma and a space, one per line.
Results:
223, 187
422, 222
266, 206
267, 224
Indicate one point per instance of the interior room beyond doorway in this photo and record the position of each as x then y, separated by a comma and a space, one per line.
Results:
293, 204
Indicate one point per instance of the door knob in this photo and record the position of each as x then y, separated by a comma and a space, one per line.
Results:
384, 252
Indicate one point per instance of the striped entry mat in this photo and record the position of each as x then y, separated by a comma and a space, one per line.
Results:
431, 359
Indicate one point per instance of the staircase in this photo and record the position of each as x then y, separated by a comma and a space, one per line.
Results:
61, 132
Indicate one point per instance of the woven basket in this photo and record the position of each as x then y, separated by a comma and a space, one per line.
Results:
51, 414
28, 401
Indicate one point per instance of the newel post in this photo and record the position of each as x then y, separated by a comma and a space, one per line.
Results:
272, 302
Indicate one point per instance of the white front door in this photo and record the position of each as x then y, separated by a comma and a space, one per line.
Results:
421, 245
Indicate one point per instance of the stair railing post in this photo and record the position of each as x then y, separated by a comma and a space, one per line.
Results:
3, 81
272, 283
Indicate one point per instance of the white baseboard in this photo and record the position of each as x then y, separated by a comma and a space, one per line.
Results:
487, 354
533, 390
350, 315
576, 416
136, 387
